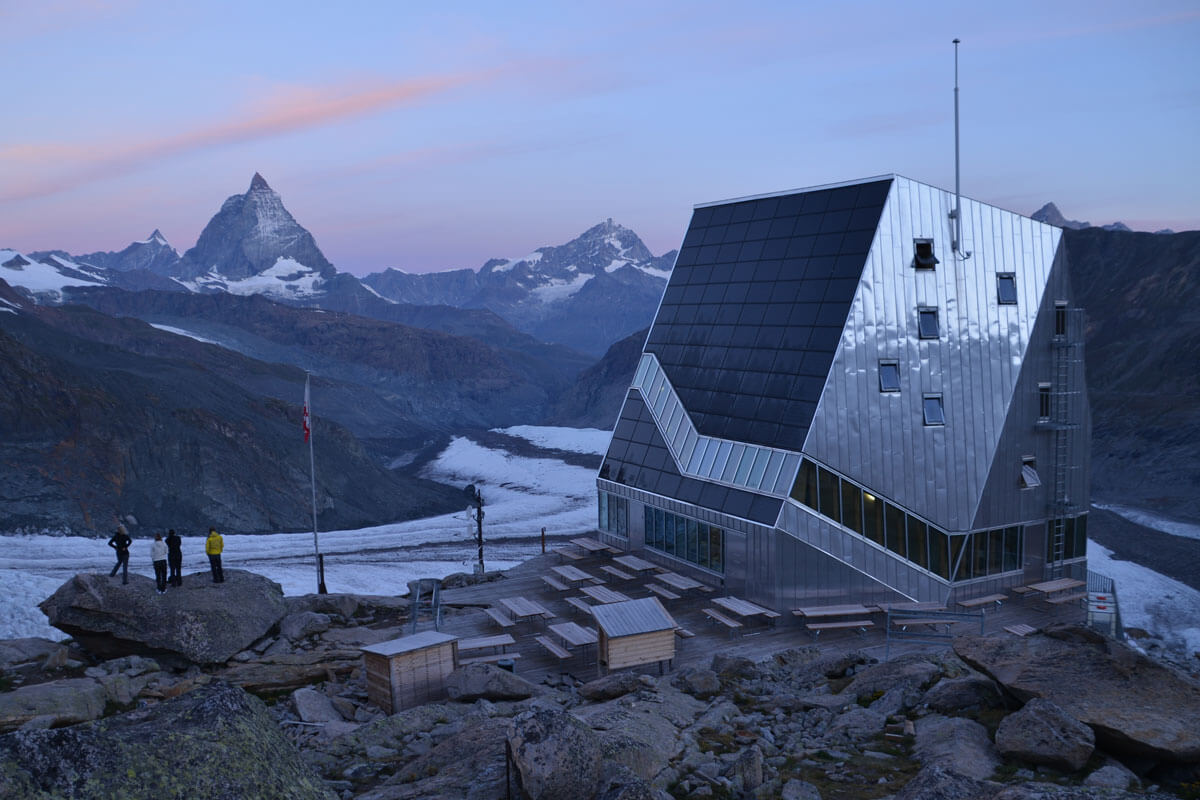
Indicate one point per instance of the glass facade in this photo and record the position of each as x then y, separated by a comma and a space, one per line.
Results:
685, 538
613, 514
1074, 538
755, 307
976, 555
638, 456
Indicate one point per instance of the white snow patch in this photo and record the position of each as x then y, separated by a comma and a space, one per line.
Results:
182, 332
662, 274
520, 496
1148, 520
285, 278
530, 259
576, 440
1164, 607
616, 264
8, 310
560, 289
38, 277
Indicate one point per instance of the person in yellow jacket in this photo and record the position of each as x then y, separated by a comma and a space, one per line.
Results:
213, 546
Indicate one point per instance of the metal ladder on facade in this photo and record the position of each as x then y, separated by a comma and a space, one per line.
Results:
1066, 343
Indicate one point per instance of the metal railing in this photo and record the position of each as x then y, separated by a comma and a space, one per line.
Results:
1099, 617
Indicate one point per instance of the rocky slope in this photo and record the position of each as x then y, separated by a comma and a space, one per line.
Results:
104, 419
995, 717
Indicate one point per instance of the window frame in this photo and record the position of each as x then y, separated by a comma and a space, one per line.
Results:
920, 262
889, 365
927, 312
1045, 397
1001, 279
941, 406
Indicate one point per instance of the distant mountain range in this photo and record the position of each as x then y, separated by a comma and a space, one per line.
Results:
1050, 215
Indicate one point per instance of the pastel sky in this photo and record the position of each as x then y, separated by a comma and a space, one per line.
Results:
404, 135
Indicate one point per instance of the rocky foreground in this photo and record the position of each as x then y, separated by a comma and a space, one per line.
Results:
275, 707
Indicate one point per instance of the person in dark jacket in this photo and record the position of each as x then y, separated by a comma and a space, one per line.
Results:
120, 542
213, 546
175, 558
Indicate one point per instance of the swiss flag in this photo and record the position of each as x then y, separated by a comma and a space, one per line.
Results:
304, 421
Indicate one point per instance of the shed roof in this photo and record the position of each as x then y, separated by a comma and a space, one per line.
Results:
632, 617
407, 644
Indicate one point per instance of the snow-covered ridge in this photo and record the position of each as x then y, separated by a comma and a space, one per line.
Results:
45, 278
182, 332
286, 278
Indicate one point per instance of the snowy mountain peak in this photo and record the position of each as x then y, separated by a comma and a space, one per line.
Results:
157, 238
258, 182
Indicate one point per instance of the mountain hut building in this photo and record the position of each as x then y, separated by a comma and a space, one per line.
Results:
836, 404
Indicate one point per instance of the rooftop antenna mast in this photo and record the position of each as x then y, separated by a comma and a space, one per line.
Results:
957, 242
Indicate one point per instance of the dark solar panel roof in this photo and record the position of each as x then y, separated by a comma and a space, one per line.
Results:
755, 307
638, 457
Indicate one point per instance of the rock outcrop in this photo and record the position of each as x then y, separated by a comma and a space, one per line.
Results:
1136, 706
200, 622
1042, 733
555, 755
214, 742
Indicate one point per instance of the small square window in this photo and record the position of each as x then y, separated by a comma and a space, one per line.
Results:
1006, 289
1044, 401
927, 322
923, 257
934, 413
1029, 474
889, 376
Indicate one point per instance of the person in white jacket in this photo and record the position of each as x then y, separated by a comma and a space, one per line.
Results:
158, 554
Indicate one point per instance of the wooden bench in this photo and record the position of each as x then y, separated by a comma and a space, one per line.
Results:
1067, 598
619, 574
501, 640
499, 616
580, 603
975, 602
684, 633
861, 624
769, 614
1020, 629
488, 659
554, 583
903, 624
662, 591
567, 552
1020, 591
717, 616
553, 646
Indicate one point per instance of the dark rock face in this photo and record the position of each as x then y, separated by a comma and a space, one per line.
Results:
1041, 733
956, 744
64, 702
152, 255
200, 622
215, 742
594, 401
610, 686
1136, 706
487, 682
556, 755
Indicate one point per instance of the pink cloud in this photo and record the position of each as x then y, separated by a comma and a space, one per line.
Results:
289, 110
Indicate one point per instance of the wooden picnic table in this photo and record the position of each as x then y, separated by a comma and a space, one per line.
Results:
573, 635
849, 609
589, 544
521, 608
502, 641
1057, 585
931, 605
680, 582
743, 608
634, 563
571, 574
602, 594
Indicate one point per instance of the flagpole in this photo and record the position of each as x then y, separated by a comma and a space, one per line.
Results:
313, 471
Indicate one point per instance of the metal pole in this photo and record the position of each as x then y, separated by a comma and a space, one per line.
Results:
479, 527
957, 244
312, 467
543, 540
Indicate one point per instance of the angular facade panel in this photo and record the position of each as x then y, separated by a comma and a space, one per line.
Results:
849, 408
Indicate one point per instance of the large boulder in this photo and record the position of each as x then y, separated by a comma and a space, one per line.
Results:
911, 674
487, 682
57, 703
1042, 733
200, 622
956, 744
216, 741
1136, 706
17, 652
555, 755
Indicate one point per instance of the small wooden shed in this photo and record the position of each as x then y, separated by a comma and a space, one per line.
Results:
409, 671
634, 632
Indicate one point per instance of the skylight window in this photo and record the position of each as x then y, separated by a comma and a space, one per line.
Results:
927, 322
923, 257
935, 414
1029, 474
1006, 289
889, 376
1044, 405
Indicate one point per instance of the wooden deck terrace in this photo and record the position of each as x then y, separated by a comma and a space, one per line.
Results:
462, 615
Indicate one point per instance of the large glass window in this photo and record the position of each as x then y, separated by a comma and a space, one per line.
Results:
889, 376
686, 538
830, 494
613, 514
1006, 289
927, 323
939, 562
935, 414
805, 488
852, 507
916, 544
873, 518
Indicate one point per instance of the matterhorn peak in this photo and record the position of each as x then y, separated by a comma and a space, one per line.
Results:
259, 182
